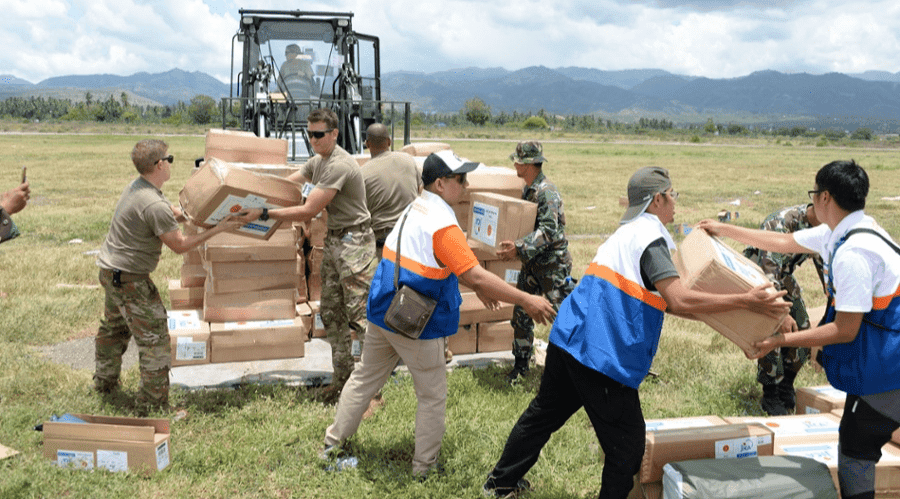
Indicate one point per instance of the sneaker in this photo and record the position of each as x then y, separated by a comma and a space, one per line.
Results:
491, 490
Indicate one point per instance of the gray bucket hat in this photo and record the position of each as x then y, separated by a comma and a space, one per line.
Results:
642, 186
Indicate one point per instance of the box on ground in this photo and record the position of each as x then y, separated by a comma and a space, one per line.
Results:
706, 264
219, 189
464, 341
269, 304
244, 147
257, 340
819, 399
496, 218
495, 336
181, 298
108, 442
472, 311
720, 442
189, 337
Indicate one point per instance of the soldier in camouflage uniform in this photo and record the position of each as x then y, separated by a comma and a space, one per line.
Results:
778, 369
142, 222
546, 262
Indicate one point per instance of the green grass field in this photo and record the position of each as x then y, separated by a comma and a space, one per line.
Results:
262, 441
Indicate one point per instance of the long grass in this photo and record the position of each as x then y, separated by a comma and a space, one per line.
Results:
261, 441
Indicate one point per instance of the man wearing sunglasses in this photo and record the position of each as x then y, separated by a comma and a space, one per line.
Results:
142, 222
348, 259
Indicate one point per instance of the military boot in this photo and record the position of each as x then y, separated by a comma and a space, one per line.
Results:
771, 401
520, 368
786, 391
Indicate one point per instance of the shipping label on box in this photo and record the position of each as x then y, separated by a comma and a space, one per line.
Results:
189, 337
485, 218
506, 270
799, 425
496, 218
819, 399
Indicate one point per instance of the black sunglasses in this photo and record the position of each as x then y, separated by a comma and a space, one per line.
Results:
170, 158
319, 135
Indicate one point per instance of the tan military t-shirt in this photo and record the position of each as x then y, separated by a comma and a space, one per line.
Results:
340, 172
142, 215
392, 182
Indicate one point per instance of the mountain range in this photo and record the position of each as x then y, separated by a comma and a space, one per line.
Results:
834, 99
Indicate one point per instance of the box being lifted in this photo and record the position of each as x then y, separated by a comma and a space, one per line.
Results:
109, 442
707, 264
219, 189
497, 218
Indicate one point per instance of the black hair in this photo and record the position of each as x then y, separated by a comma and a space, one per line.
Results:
847, 183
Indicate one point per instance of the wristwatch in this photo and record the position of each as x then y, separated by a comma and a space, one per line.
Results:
265, 215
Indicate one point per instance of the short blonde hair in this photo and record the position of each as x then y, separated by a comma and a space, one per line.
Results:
147, 153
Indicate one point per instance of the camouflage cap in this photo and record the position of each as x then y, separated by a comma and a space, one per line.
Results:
528, 152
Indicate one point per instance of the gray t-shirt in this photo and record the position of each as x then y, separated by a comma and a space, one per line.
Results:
339, 172
133, 244
392, 183
657, 264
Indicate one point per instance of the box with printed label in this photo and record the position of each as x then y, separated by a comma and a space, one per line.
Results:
495, 336
819, 399
707, 264
496, 218
797, 425
181, 298
219, 189
267, 304
464, 341
245, 147
257, 340
507, 270
720, 442
138, 445
189, 337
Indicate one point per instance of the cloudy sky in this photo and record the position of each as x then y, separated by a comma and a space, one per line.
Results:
713, 38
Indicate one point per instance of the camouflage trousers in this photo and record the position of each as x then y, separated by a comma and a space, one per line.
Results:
548, 274
348, 266
771, 369
133, 309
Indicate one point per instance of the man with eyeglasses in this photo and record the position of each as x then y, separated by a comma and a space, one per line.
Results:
348, 259
546, 262
860, 335
777, 371
142, 222
604, 338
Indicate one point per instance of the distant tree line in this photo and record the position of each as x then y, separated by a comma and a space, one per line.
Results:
201, 110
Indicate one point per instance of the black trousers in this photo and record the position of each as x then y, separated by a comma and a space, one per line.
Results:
614, 410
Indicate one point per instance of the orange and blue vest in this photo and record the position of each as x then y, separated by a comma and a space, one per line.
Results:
419, 269
611, 322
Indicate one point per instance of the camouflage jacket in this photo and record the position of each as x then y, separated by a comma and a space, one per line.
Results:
549, 227
779, 267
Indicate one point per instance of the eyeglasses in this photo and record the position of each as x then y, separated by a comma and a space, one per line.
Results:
461, 178
319, 135
673, 194
812, 194
170, 158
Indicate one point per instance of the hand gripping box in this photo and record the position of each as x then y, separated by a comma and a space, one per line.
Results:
189, 337
497, 218
219, 189
707, 264
111, 443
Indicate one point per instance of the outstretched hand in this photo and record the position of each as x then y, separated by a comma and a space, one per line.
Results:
540, 309
761, 300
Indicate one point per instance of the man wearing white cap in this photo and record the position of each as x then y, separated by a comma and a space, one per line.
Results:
434, 257
605, 337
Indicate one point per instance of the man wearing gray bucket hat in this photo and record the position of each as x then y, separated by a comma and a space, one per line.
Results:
544, 253
597, 359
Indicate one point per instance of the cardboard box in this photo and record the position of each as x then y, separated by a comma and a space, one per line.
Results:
508, 271
464, 341
887, 471
219, 189
819, 399
795, 426
304, 313
193, 276
237, 277
318, 229
495, 336
257, 340
192, 257
423, 149
181, 298
269, 304
494, 179
108, 442
682, 423
189, 337
706, 264
302, 290
226, 247
318, 327
245, 147
472, 311
720, 442
497, 218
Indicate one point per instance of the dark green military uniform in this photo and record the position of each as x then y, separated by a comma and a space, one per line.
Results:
777, 370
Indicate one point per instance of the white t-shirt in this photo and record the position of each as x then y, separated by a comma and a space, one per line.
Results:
864, 269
